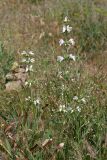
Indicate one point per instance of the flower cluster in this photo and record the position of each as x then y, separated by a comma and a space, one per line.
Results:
68, 108
28, 60
70, 56
76, 98
36, 102
66, 29
67, 43
60, 58
29, 83
63, 108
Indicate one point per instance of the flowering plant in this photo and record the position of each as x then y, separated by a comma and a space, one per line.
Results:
66, 43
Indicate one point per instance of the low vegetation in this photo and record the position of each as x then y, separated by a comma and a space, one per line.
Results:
60, 113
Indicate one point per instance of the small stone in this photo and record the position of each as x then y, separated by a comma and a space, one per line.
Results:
21, 76
20, 70
10, 77
14, 85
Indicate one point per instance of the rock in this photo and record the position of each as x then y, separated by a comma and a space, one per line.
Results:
10, 77
20, 70
13, 85
16, 79
21, 76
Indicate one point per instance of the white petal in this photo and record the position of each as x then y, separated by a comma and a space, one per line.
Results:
60, 58
72, 41
78, 109
27, 68
37, 101
26, 83
66, 19
30, 68
72, 57
31, 53
61, 42
23, 60
32, 60
64, 28
83, 100
75, 98
68, 28
24, 53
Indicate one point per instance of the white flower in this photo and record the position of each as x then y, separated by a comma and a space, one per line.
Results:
72, 57
60, 58
30, 84
75, 98
62, 108
32, 60
26, 83
71, 41
27, 68
66, 72
73, 80
69, 109
28, 98
61, 42
24, 53
31, 53
83, 100
68, 28
64, 28
36, 102
78, 109
23, 60
63, 86
61, 145
66, 19
30, 68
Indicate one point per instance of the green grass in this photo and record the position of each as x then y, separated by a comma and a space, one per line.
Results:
6, 61
35, 1
24, 127
29, 125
